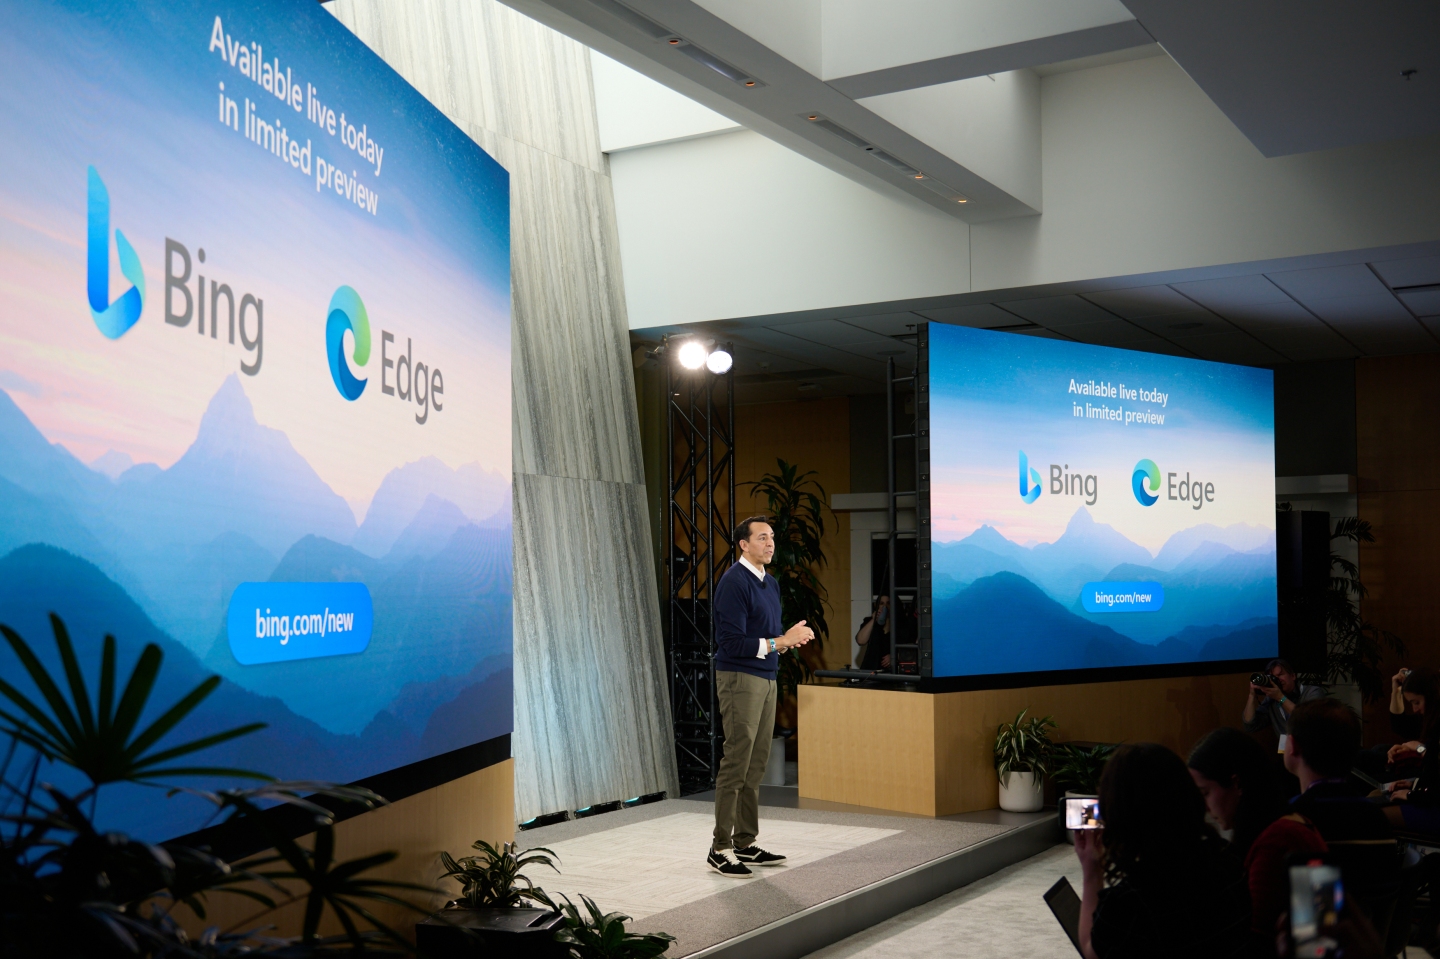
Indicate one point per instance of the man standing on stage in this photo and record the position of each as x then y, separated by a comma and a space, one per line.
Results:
748, 641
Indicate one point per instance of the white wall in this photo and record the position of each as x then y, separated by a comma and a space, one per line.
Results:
1142, 173
737, 225
990, 125
633, 110
865, 35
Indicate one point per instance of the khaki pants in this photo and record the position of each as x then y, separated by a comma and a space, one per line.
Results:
747, 711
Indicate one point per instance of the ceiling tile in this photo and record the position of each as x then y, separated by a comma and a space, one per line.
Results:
1192, 323
1377, 324
1058, 312
1420, 271
831, 332
887, 324
1234, 347
1328, 282
816, 354
1110, 333
983, 316
1231, 292
1141, 301
1293, 330
1422, 303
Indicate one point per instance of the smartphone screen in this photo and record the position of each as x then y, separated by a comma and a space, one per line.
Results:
1316, 899
1082, 812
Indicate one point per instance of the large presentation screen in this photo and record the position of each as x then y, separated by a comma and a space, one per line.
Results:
1094, 507
254, 384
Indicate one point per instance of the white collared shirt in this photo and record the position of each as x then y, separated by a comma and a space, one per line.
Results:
759, 572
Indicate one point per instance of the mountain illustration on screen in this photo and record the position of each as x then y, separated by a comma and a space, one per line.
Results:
36, 579
476, 493
1213, 577
242, 505
237, 476
1004, 623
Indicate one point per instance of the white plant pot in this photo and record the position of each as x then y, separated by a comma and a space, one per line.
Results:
1022, 792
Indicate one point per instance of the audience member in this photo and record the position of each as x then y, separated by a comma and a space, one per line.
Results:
1273, 704
1242, 791
1407, 710
1324, 741
1158, 880
1417, 807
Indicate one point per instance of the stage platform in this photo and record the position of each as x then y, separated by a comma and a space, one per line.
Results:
849, 868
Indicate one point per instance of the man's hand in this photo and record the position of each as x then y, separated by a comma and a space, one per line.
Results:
1400, 752
1269, 692
797, 635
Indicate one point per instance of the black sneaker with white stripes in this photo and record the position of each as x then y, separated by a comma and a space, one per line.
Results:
724, 862
755, 856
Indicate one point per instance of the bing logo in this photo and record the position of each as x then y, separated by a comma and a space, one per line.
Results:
1030, 481
1146, 470
113, 319
347, 312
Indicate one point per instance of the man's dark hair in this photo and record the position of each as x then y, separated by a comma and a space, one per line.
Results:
1326, 734
1282, 663
742, 531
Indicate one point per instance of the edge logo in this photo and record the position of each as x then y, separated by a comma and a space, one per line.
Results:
1146, 470
347, 312
112, 319
1030, 480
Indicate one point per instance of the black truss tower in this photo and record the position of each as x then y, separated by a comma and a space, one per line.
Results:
700, 515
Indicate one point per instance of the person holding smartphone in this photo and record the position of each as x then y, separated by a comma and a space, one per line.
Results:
874, 637
1157, 879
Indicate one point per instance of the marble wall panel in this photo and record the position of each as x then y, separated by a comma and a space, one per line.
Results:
591, 702
588, 624
483, 64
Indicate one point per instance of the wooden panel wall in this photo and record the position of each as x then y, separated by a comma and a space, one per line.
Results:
448, 818
931, 754
815, 435
1397, 420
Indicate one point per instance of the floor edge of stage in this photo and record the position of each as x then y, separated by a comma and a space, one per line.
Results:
836, 919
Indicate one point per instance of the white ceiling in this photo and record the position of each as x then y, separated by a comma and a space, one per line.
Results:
1378, 303
1302, 75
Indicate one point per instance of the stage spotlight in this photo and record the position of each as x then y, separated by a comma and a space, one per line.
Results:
719, 362
692, 355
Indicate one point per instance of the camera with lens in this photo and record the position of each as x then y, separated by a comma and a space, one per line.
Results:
1262, 679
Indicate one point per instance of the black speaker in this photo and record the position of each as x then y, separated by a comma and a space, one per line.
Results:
1302, 574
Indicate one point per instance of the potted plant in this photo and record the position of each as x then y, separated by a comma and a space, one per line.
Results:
500, 911
1355, 647
1022, 750
1075, 769
598, 935
795, 503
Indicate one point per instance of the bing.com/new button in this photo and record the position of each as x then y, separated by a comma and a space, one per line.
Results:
1122, 597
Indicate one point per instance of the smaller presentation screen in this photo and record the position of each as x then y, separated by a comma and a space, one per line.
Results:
1094, 507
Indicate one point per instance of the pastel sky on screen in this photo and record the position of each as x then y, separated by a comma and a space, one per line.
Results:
996, 394
432, 266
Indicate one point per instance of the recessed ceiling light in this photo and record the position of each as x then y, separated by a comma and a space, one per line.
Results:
749, 83
813, 116
919, 176
674, 41
961, 199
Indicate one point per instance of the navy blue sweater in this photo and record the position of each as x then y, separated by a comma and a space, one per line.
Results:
747, 609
